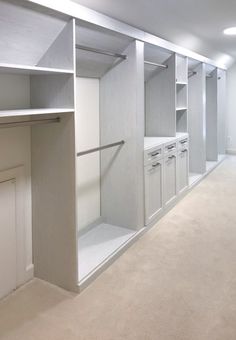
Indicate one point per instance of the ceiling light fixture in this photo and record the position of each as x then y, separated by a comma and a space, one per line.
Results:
230, 31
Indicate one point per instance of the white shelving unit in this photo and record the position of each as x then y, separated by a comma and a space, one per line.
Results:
96, 99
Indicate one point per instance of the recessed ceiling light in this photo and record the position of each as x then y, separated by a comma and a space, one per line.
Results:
230, 31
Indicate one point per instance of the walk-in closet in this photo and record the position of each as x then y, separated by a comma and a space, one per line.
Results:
103, 129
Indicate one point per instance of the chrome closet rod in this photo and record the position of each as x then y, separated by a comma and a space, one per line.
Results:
155, 64
100, 148
99, 51
29, 122
191, 74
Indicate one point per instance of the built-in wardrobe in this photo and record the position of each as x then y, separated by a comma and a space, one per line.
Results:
102, 131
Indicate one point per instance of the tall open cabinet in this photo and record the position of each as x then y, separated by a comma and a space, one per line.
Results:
103, 128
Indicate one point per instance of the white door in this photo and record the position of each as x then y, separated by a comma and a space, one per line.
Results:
182, 170
7, 238
153, 190
170, 188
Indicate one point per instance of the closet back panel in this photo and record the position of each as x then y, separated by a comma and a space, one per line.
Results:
121, 112
88, 166
197, 120
160, 102
211, 118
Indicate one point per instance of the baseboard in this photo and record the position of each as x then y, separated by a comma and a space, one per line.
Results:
29, 272
231, 151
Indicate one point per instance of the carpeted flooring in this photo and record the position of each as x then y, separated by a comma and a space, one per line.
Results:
178, 282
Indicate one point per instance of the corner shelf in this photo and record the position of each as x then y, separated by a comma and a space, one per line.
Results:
31, 70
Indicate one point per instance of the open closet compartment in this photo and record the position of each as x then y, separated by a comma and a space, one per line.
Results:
196, 119
37, 88
109, 145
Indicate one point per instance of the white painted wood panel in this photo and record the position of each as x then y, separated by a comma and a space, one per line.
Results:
88, 166
122, 118
153, 190
182, 170
8, 267
221, 95
60, 53
170, 178
53, 198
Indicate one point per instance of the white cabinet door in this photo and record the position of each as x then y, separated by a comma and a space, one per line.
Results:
7, 238
170, 188
153, 190
182, 170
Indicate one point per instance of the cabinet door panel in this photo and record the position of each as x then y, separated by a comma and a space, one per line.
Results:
7, 238
182, 170
170, 178
153, 190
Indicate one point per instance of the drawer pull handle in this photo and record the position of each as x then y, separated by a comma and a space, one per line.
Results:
170, 157
155, 154
184, 150
171, 147
155, 165
183, 141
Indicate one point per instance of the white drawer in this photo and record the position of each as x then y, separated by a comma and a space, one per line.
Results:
153, 154
183, 144
170, 148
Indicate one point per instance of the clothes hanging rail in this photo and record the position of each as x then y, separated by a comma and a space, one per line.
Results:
155, 64
86, 152
29, 122
191, 74
99, 51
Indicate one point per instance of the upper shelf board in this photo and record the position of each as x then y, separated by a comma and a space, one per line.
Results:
33, 112
31, 70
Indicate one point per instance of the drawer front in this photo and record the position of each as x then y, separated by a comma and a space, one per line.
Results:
170, 148
183, 144
153, 190
153, 155
170, 178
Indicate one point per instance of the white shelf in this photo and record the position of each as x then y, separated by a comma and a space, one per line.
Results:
181, 83
100, 243
31, 70
181, 108
32, 112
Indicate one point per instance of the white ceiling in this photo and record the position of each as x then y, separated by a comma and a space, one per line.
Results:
194, 24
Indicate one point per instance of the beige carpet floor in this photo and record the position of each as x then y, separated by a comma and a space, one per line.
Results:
178, 282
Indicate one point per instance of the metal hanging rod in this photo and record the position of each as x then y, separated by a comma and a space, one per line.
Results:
155, 64
192, 73
99, 51
82, 153
29, 122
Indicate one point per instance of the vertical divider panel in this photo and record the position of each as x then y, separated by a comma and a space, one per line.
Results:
122, 118
197, 120
221, 102
211, 118
53, 196
161, 102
